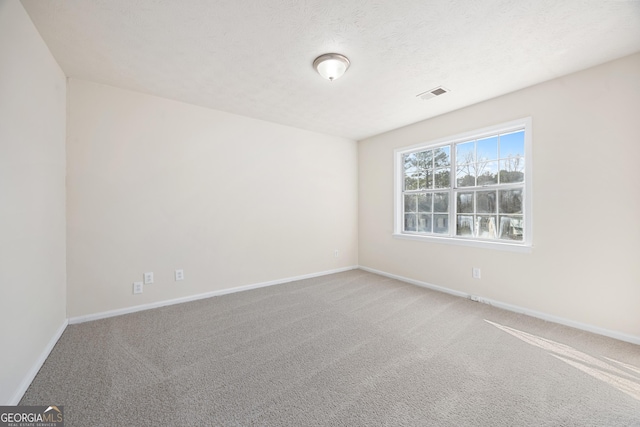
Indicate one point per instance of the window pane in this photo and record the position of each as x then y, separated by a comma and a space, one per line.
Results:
465, 176
487, 227
425, 159
511, 227
464, 226
421, 180
465, 203
486, 202
465, 153
487, 173
424, 223
410, 222
511, 201
411, 182
441, 202
442, 157
424, 202
440, 223
512, 169
441, 178
410, 163
512, 144
487, 149
410, 202
426, 180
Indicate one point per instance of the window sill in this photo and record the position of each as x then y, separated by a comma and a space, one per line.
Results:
508, 247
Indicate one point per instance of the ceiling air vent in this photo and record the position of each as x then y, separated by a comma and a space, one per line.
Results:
432, 93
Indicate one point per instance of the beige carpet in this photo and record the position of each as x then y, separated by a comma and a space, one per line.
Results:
349, 349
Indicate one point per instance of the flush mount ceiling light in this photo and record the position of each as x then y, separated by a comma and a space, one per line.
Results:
331, 65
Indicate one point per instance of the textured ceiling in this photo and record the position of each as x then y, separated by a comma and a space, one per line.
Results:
254, 58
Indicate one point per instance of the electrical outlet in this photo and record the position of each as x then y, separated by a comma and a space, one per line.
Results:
148, 278
179, 275
138, 287
336, 253
475, 273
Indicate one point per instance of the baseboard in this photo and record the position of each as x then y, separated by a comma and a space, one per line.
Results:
514, 308
26, 382
119, 312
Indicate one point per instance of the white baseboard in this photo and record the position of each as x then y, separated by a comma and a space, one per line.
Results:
517, 309
26, 381
121, 311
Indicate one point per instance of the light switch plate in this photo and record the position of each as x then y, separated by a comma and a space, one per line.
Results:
138, 287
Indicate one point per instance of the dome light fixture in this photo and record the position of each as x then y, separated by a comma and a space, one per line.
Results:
331, 66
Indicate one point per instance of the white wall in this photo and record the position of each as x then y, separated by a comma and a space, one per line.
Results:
155, 185
32, 200
585, 265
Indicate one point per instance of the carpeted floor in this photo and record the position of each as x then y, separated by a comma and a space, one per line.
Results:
349, 349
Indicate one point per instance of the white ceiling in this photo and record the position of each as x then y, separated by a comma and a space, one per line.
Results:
254, 57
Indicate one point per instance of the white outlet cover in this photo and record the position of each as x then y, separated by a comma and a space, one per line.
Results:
148, 278
475, 273
138, 287
179, 275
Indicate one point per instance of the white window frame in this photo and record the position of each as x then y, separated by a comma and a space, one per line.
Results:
526, 245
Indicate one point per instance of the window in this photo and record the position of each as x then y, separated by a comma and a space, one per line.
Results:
472, 189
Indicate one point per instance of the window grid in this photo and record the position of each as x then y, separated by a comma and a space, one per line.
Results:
490, 179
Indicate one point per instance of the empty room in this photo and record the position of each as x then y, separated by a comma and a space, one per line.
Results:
320, 213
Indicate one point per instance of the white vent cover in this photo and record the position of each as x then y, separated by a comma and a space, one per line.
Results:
432, 93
